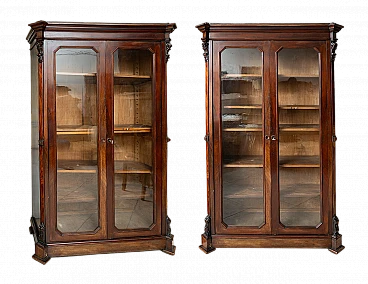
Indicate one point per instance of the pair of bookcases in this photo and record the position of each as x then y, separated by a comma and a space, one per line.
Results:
99, 137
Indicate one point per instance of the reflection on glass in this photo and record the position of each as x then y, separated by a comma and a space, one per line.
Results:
242, 139
133, 191
76, 121
299, 125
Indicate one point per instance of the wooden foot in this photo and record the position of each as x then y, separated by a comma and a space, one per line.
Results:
336, 245
206, 245
169, 248
42, 260
41, 254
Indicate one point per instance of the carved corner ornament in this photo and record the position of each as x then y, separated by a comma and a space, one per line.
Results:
205, 49
39, 46
333, 49
39, 234
205, 239
170, 43
337, 245
169, 247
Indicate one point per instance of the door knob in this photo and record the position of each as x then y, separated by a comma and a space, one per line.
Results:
110, 140
273, 137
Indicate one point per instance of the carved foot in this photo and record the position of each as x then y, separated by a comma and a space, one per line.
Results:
206, 246
42, 260
336, 246
41, 254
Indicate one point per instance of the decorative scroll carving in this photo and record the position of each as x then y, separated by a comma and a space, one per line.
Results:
169, 42
207, 227
39, 46
336, 226
42, 233
205, 49
333, 39
37, 232
169, 224
169, 48
39, 235
334, 45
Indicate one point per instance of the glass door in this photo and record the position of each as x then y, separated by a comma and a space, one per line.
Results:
134, 193
133, 188
241, 100
74, 131
300, 130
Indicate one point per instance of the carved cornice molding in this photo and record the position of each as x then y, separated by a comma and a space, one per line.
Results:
168, 46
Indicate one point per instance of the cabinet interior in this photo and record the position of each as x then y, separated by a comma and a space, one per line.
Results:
298, 113
77, 134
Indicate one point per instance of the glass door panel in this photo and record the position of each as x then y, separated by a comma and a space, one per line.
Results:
242, 137
76, 129
133, 172
299, 137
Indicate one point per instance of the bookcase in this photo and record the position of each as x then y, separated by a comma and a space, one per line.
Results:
270, 136
99, 138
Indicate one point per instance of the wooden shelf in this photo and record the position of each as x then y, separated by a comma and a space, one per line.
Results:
76, 74
242, 129
298, 76
299, 127
283, 128
299, 107
90, 166
119, 129
76, 130
243, 107
94, 74
127, 76
287, 107
132, 128
245, 77
247, 128
284, 107
120, 79
132, 167
284, 162
65, 79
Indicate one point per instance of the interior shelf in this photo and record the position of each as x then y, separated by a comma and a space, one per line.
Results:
243, 107
76, 130
299, 127
76, 73
245, 77
119, 129
298, 76
286, 107
283, 128
284, 162
299, 107
89, 166
131, 167
132, 128
118, 78
247, 128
